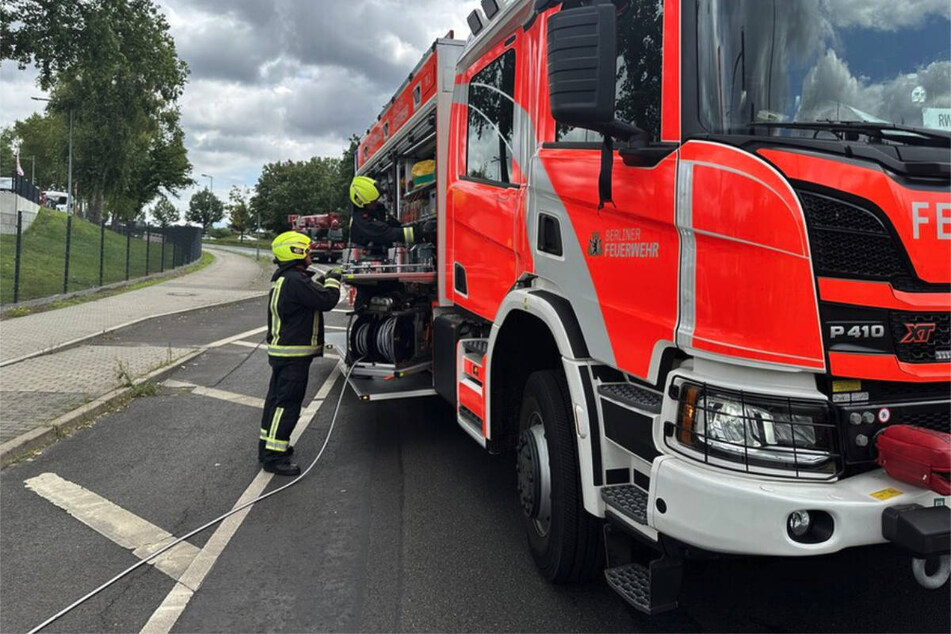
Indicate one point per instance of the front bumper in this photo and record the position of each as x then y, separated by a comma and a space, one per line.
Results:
718, 511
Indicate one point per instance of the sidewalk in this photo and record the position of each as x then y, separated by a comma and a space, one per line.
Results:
44, 373
229, 278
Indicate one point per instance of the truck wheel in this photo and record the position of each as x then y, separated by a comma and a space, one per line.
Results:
564, 539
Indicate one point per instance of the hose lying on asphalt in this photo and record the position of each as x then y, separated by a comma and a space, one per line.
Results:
144, 561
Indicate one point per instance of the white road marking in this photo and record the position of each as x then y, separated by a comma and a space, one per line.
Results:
232, 397
249, 344
168, 613
172, 383
114, 522
340, 310
335, 327
243, 335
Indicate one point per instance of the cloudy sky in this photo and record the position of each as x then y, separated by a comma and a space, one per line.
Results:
280, 79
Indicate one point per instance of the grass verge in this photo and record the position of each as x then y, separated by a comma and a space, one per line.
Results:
43, 257
206, 259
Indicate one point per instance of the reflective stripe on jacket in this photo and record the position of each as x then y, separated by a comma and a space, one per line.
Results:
295, 326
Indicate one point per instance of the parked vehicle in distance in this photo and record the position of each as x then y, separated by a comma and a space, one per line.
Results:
56, 199
326, 234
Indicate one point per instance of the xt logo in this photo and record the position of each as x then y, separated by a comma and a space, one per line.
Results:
918, 333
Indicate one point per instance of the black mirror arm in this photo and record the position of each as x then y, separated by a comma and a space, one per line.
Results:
623, 131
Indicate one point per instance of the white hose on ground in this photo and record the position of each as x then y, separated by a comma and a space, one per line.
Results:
144, 561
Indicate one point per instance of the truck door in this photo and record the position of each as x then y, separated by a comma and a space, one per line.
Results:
487, 188
616, 264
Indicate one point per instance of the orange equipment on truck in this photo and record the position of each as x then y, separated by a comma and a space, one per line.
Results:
693, 258
326, 234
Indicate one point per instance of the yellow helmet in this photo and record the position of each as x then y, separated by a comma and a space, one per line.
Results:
290, 245
363, 190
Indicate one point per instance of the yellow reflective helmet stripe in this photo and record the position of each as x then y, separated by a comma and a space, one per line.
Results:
290, 245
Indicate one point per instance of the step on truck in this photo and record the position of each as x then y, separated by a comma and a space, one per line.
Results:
692, 268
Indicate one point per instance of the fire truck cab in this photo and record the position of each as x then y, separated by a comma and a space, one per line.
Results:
693, 263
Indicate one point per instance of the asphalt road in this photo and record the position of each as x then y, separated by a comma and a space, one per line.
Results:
404, 525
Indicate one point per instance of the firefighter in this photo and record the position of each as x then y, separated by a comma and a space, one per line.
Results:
373, 227
295, 335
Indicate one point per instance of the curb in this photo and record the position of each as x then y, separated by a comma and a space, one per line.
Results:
50, 432
73, 342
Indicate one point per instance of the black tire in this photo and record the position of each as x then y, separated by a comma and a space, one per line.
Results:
571, 550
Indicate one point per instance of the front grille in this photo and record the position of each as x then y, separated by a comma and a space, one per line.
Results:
828, 213
852, 242
918, 337
935, 421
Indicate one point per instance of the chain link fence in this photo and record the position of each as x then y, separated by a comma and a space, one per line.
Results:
60, 253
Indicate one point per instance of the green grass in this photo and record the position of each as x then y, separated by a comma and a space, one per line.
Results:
206, 259
43, 256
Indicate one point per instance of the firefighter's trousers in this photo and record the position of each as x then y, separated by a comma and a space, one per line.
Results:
282, 406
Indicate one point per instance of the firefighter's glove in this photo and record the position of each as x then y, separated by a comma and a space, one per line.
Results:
425, 230
332, 278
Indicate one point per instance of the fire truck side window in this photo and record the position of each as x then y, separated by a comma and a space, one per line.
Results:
639, 59
491, 120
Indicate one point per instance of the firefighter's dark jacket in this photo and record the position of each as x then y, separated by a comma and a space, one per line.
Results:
295, 324
373, 226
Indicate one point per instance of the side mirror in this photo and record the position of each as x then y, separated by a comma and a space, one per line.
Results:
582, 53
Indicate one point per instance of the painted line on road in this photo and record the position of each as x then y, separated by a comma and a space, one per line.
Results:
174, 604
247, 344
335, 327
243, 335
232, 397
114, 522
211, 392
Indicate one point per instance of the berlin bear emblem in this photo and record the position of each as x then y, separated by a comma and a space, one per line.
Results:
595, 246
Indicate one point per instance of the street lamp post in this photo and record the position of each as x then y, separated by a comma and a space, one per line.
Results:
211, 181
69, 172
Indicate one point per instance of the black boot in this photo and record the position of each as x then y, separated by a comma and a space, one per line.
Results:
282, 468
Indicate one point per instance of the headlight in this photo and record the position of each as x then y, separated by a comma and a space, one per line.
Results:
760, 433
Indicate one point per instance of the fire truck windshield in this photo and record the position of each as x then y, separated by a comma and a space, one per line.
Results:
801, 61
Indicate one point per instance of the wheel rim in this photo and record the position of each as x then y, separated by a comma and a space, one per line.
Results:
534, 475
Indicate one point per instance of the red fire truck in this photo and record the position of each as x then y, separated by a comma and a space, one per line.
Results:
326, 234
693, 269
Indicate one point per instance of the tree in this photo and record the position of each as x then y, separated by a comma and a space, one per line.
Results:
164, 212
42, 141
205, 209
239, 210
113, 64
298, 187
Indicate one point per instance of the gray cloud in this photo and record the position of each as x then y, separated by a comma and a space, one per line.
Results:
885, 15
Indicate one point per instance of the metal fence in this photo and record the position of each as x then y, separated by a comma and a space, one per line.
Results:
55, 256
23, 187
